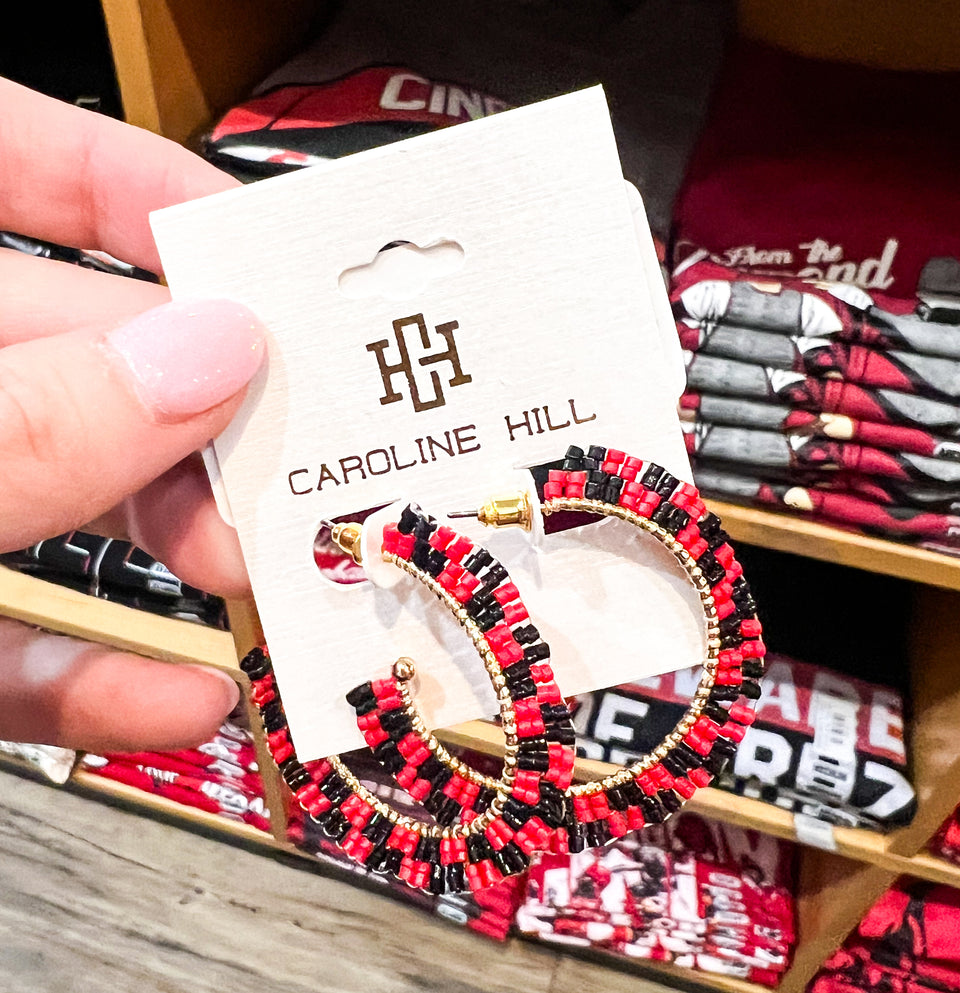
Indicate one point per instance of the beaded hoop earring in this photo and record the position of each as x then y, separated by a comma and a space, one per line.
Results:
608, 483
503, 825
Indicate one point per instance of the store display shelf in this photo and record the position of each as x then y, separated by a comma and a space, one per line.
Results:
89, 782
47, 605
859, 844
786, 533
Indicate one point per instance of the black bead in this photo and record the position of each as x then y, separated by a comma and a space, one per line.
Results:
456, 879
723, 693
396, 723
515, 814
574, 452
588, 464
730, 630
711, 568
389, 757
421, 554
715, 763
361, 694
616, 799
478, 560
536, 653
709, 526
565, 734
572, 465
479, 602
393, 860
610, 492
377, 860
674, 764
296, 777
575, 839
592, 491
273, 717
408, 520
753, 668
724, 747
690, 758
377, 829
652, 475
437, 883
517, 673
534, 761
523, 688
717, 538
632, 793
490, 617
653, 812
598, 453
485, 797
671, 802
715, 712
335, 789
427, 850
494, 576
437, 563
750, 689
510, 859
255, 664
434, 773
424, 528
526, 635
333, 824
478, 848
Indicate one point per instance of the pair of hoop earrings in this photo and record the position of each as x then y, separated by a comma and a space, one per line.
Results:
483, 828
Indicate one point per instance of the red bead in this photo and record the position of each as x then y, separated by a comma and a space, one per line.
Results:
724, 555
615, 455
750, 628
453, 850
635, 818
391, 539
684, 787
508, 654
733, 731
420, 789
552, 491
725, 609
742, 715
506, 594
618, 824
515, 613
405, 543
459, 549
442, 537
753, 649
573, 491
610, 466
700, 777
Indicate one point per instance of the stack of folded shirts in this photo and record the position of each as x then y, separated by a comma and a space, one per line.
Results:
946, 842
116, 570
489, 912
221, 776
907, 943
821, 398
824, 744
692, 892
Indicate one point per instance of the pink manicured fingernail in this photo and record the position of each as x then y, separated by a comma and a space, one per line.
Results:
188, 357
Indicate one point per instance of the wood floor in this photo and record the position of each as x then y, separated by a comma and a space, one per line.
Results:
96, 899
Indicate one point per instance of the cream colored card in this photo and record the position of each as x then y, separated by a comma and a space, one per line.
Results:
539, 327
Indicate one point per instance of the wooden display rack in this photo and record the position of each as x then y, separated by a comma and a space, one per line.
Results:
181, 62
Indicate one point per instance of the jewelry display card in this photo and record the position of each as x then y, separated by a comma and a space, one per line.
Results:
522, 313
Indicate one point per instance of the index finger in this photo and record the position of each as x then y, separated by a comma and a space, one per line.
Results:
81, 179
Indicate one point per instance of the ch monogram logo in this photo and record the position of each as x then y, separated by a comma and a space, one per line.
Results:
410, 368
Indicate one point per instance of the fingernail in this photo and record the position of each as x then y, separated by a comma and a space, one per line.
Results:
187, 357
231, 688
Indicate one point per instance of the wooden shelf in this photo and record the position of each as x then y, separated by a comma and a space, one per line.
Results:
787, 533
47, 605
858, 844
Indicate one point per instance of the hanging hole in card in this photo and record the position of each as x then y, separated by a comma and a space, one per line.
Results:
401, 269
333, 562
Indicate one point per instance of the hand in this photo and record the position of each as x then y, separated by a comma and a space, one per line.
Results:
106, 390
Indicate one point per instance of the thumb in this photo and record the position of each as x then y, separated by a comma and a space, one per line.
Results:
87, 418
